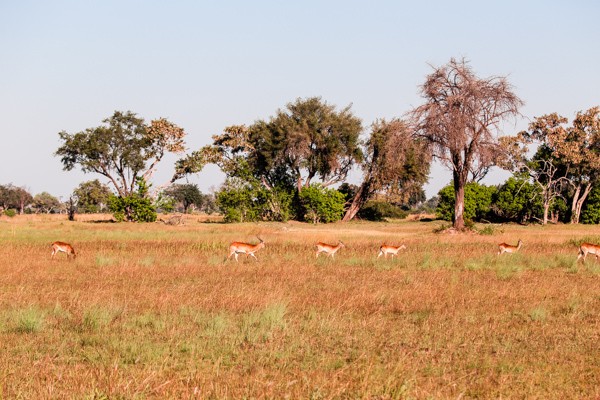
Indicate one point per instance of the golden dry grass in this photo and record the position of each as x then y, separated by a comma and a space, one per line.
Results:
154, 311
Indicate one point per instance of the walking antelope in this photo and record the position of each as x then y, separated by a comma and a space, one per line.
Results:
387, 249
236, 248
507, 248
329, 249
586, 248
64, 247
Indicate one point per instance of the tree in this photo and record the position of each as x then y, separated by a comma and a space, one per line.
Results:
478, 201
187, 194
395, 163
46, 203
123, 149
91, 196
308, 140
460, 118
547, 171
579, 148
15, 197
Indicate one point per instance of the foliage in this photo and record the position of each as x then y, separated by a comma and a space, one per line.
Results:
14, 197
240, 201
136, 207
186, 195
91, 196
459, 120
46, 203
478, 201
591, 209
380, 211
11, 212
395, 163
517, 200
321, 204
307, 140
124, 149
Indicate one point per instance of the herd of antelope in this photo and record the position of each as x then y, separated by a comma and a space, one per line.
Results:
236, 248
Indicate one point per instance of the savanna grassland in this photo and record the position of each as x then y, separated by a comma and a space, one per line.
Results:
153, 311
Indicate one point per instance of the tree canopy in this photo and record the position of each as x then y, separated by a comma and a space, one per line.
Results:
123, 149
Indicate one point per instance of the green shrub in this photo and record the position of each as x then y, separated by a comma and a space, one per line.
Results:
321, 204
381, 210
10, 212
135, 207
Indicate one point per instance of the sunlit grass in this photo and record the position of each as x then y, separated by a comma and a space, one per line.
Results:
155, 311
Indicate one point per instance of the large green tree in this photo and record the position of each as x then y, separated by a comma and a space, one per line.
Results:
460, 119
123, 149
307, 140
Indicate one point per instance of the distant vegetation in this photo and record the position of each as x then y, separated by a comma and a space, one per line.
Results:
295, 164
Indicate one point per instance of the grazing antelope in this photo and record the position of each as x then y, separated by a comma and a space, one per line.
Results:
64, 247
387, 249
507, 248
586, 248
328, 248
236, 248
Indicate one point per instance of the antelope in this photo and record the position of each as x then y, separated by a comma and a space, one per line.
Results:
64, 247
236, 248
586, 248
328, 248
387, 249
507, 248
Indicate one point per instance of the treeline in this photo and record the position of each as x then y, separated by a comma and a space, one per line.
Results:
93, 197
295, 164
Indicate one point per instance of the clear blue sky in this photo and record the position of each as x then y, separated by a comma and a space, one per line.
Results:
66, 65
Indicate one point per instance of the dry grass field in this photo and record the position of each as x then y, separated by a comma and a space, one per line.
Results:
154, 311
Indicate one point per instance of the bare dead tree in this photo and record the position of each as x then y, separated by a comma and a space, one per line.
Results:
460, 120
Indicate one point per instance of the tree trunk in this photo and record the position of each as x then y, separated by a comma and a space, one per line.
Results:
574, 204
459, 205
546, 209
579, 205
358, 201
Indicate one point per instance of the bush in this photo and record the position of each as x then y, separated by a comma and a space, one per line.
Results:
381, 210
517, 200
244, 202
136, 207
319, 204
10, 212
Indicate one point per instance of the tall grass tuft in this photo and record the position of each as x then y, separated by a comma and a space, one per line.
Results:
29, 320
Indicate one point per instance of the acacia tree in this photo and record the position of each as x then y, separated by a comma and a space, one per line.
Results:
460, 120
394, 161
14, 197
124, 149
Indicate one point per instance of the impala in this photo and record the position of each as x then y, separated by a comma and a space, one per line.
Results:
507, 248
387, 249
64, 247
586, 248
236, 248
329, 249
